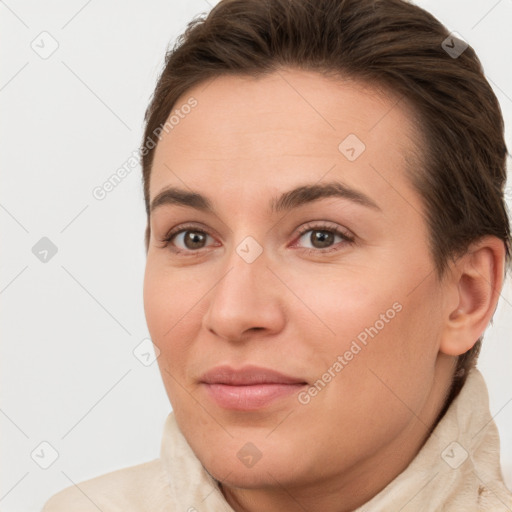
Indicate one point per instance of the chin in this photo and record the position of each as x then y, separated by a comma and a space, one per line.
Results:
260, 476
247, 457
277, 460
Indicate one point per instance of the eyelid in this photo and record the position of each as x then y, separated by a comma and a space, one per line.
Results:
319, 225
184, 227
166, 239
347, 236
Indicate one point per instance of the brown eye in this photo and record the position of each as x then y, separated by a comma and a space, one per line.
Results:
321, 239
188, 240
194, 239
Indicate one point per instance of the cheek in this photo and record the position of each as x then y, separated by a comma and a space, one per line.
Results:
158, 306
339, 308
389, 344
174, 305
166, 304
366, 329
385, 372
169, 295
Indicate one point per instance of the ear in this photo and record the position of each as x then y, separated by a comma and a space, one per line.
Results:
475, 282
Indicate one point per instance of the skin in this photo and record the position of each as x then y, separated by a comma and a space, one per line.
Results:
247, 141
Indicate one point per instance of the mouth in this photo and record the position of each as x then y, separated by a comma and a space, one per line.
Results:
249, 388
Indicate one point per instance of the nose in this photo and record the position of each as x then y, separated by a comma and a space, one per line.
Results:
247, 298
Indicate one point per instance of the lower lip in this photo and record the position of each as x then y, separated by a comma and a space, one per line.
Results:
248, 398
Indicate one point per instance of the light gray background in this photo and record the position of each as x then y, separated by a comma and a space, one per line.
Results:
69, 326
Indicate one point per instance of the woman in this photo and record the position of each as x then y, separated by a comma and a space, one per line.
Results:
326, 244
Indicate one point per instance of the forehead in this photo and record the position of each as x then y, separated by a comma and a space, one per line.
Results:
284, 127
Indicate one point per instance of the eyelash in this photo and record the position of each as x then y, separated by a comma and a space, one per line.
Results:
308, 227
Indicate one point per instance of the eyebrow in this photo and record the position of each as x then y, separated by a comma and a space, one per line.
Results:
294, 198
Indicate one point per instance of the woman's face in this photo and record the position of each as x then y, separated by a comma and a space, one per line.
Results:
333, 288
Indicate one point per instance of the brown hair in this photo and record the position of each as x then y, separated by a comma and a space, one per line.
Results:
389, 43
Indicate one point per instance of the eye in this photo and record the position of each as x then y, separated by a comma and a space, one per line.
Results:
321, 238
190, 240
187, 239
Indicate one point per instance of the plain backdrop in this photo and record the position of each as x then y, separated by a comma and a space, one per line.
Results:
75, 80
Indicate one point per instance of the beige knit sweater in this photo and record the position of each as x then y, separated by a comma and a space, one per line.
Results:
457, 469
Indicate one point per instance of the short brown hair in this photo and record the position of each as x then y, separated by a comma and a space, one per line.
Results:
388, 43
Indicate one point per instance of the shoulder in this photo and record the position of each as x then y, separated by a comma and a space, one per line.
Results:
131, 489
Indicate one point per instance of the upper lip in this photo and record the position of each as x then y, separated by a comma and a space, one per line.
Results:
246, 376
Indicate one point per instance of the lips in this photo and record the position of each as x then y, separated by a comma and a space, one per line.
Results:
248, 388
247, 376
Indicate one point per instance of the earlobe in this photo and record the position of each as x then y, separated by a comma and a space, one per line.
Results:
477, 279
